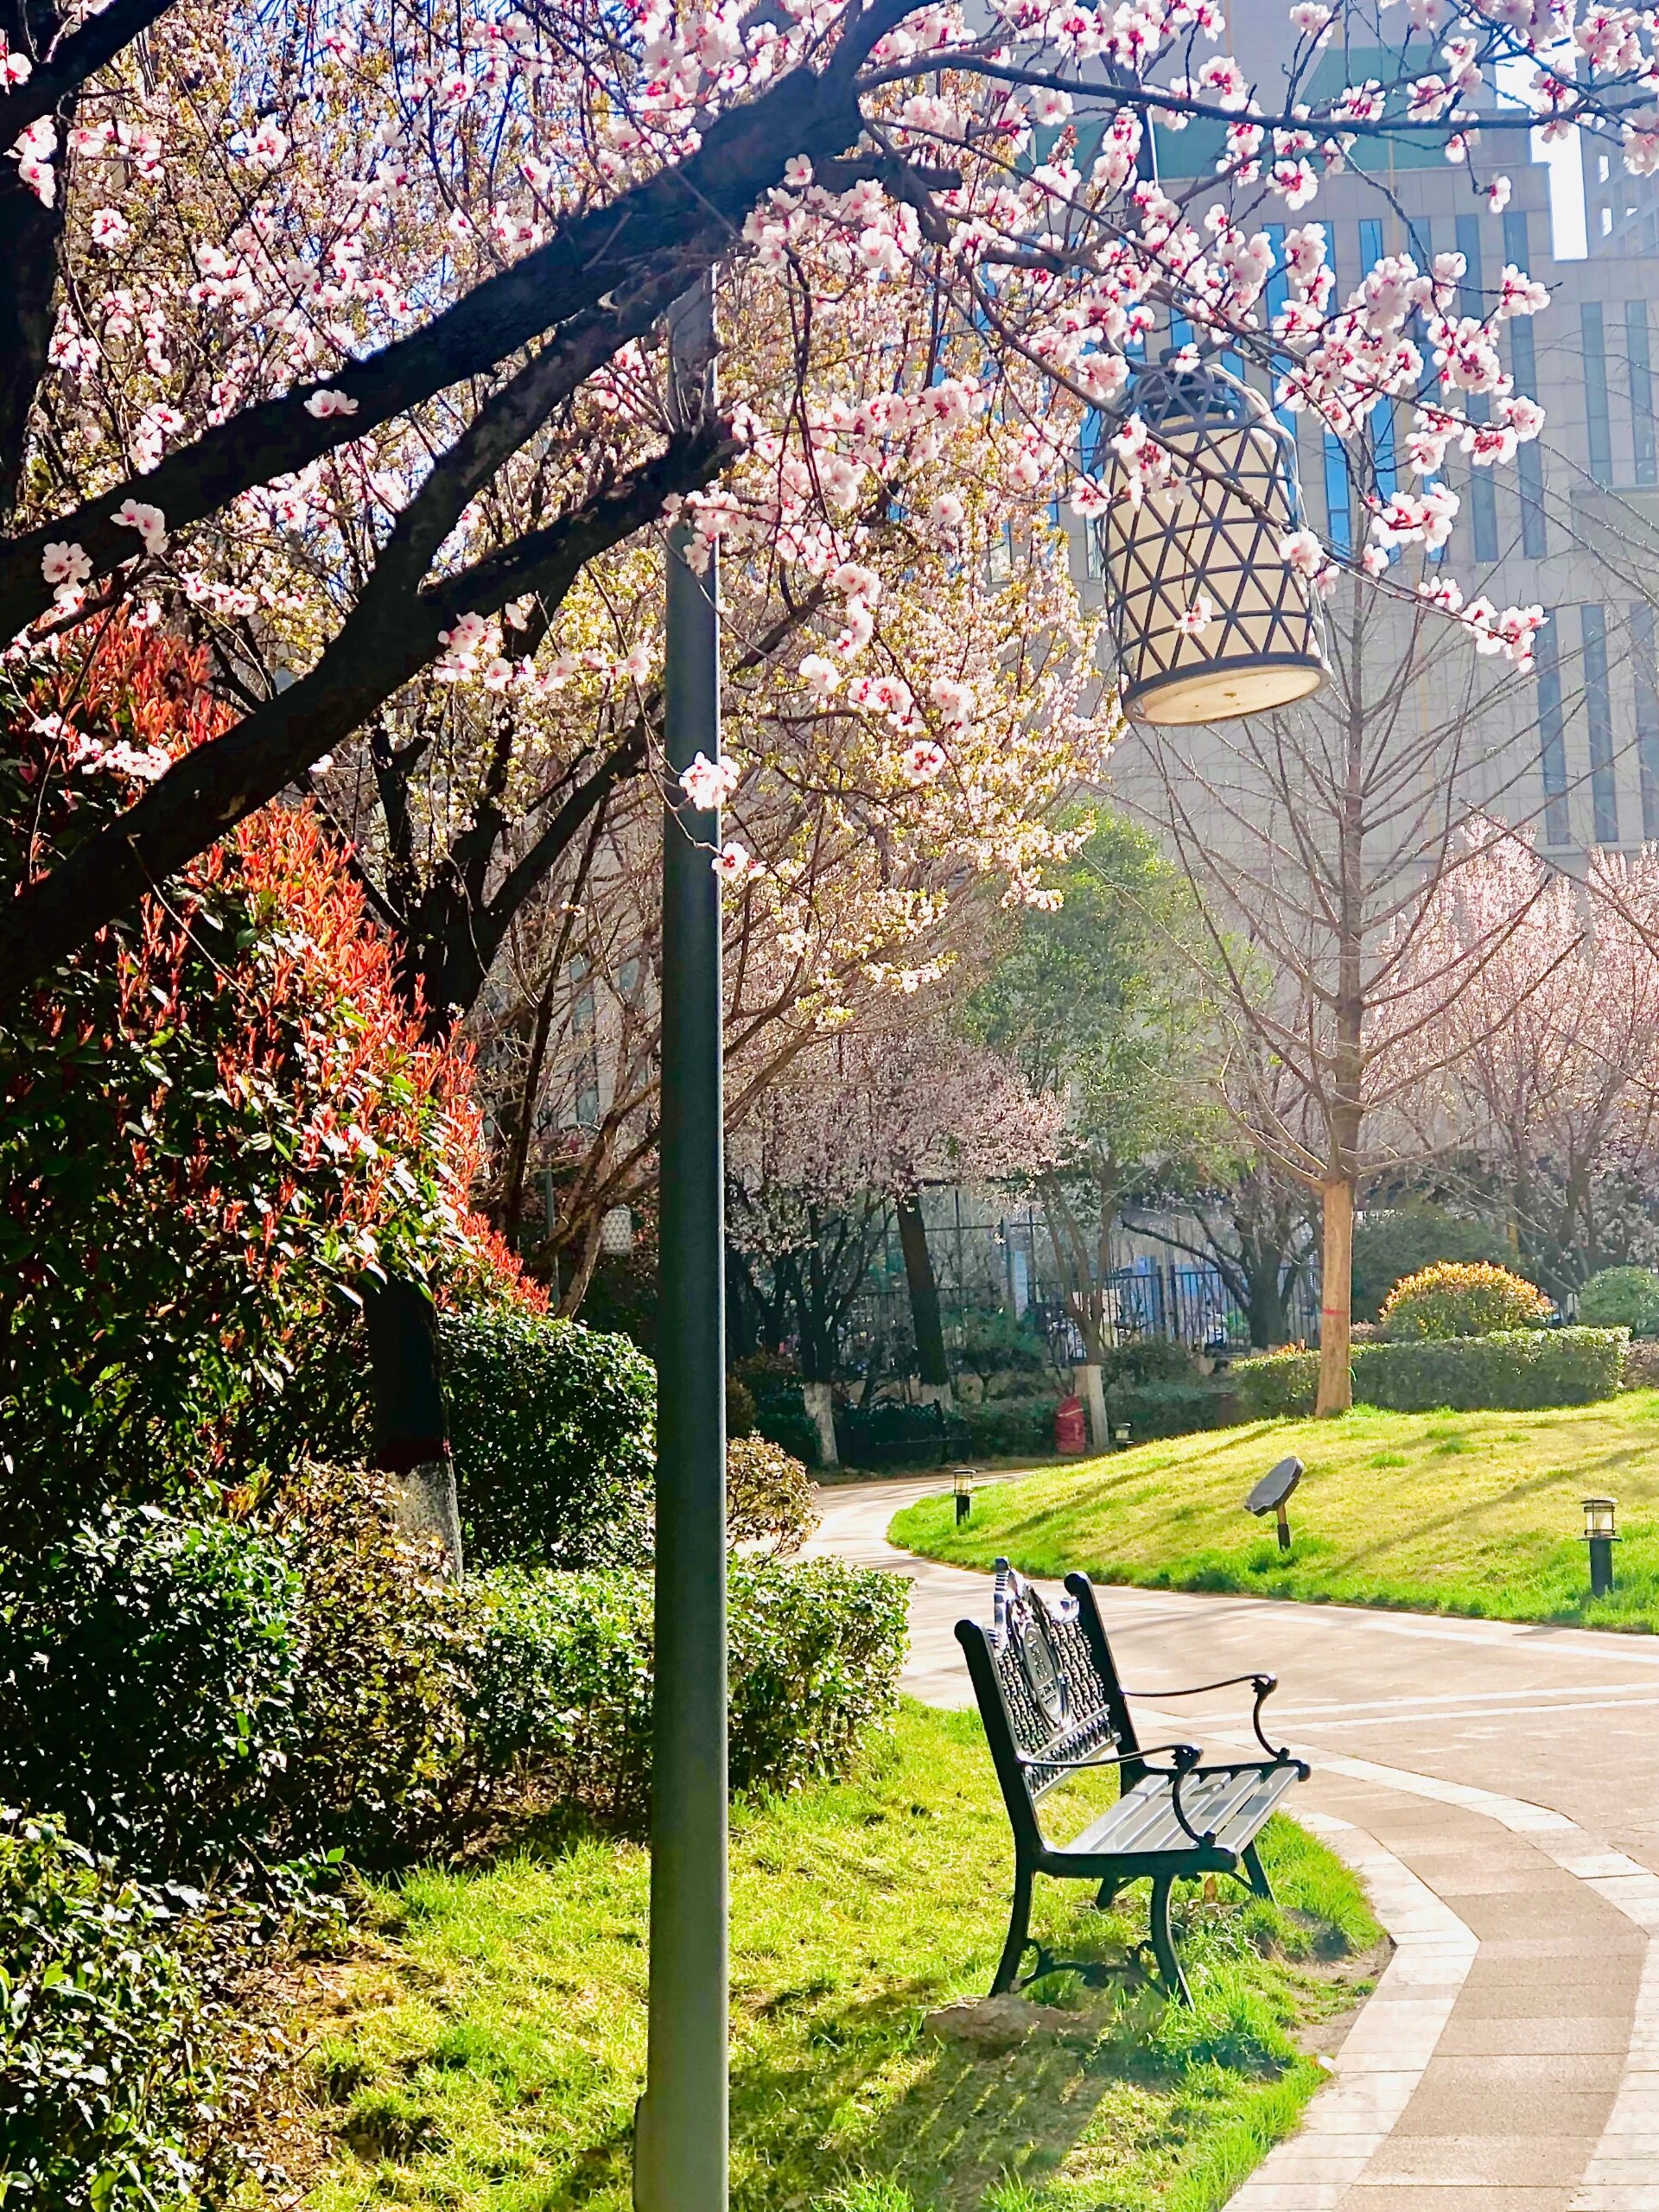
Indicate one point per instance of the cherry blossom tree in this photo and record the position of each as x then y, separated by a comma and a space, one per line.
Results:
1554, 1074
857, 1125
345, 325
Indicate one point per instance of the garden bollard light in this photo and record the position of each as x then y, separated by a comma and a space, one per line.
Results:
962, 1484
1601, 1534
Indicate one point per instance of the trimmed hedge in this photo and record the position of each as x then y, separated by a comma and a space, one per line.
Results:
563, 1682
104, 2071
1003, 1427
553, 1428
1521, 1371
1155, 1409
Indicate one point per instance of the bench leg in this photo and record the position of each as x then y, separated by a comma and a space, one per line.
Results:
1256, 1873
1106, 1894
1019, 1925
1163, 1941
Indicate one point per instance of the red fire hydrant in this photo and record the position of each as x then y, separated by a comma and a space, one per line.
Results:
1071, 1432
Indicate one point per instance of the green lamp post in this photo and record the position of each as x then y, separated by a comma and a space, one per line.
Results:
680, 2137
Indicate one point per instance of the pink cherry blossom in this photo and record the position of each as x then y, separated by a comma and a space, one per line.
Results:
323, 404
148, 521
709, 783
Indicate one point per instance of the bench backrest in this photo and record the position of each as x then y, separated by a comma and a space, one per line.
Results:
1047, 1691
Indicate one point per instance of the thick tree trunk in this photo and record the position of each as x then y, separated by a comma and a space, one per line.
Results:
923, 1302
1264, 1308
819, 1399
410, 1433
1089, 1385
1336, 1297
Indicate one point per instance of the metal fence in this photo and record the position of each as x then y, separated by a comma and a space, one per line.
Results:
989, 1261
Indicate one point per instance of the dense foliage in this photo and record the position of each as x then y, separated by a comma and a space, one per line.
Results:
104, 2064
1005, 1428
1150, 1409
1463, 1298
768, 1499
553, 1428
191, 1695
1391, 1244
564, 1677
1622, 1297
1520, 1369
212, 1120
147, 1675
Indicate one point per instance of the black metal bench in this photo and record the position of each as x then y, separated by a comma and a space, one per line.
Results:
1054, 1706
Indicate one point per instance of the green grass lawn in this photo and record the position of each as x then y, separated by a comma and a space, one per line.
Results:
485, 2048
1458, 1513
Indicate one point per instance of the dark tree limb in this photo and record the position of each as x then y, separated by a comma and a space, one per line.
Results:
387, 640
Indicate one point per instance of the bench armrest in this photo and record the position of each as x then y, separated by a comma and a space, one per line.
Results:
1264, 1685
1186, 1755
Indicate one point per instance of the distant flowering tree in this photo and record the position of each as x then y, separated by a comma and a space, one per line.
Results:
340, 327
1551, 1049
214, 1122
854, 1129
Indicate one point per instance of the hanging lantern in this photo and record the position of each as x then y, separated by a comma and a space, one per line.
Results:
1208, 545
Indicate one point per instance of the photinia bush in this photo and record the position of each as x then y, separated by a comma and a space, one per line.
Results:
212, 1121
1463, 1298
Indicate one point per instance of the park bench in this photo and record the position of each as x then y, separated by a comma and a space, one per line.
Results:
1053, 1705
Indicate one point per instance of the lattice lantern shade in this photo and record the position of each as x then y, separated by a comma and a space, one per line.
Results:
1214, 537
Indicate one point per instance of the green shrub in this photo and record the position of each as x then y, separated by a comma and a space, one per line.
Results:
104, 2062
563, 1679
1145, 1360
998, 1343
1626, 1297
781, 1417
1277, 1385
740, 1408
148, 1669
1515, 1370
195, 1694
1388, 1245
767, 1496
379, 1705
1167, 1408
1004, 1428
553, 1429
1455, 1298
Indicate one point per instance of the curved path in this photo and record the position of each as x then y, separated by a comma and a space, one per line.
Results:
1498, 1786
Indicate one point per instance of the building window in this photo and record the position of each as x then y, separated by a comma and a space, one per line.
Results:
1597, 422
1382, 415
1647, 713
1552, 738
1523, 361
1598, 710
1482, 492
1637, 357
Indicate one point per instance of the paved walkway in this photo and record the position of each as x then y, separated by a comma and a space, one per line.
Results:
1498, 1786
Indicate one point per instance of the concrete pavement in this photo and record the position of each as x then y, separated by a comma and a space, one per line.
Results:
1498, 1786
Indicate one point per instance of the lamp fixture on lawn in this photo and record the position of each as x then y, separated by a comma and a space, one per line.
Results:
1208, 623
962, 1489
1601, 1534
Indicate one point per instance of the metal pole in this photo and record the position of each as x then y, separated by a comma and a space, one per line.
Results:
680, 2146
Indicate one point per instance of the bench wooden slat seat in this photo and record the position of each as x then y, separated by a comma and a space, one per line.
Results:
1053, 1706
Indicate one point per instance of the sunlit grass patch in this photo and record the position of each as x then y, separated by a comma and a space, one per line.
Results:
1468, 1513
499, 2072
